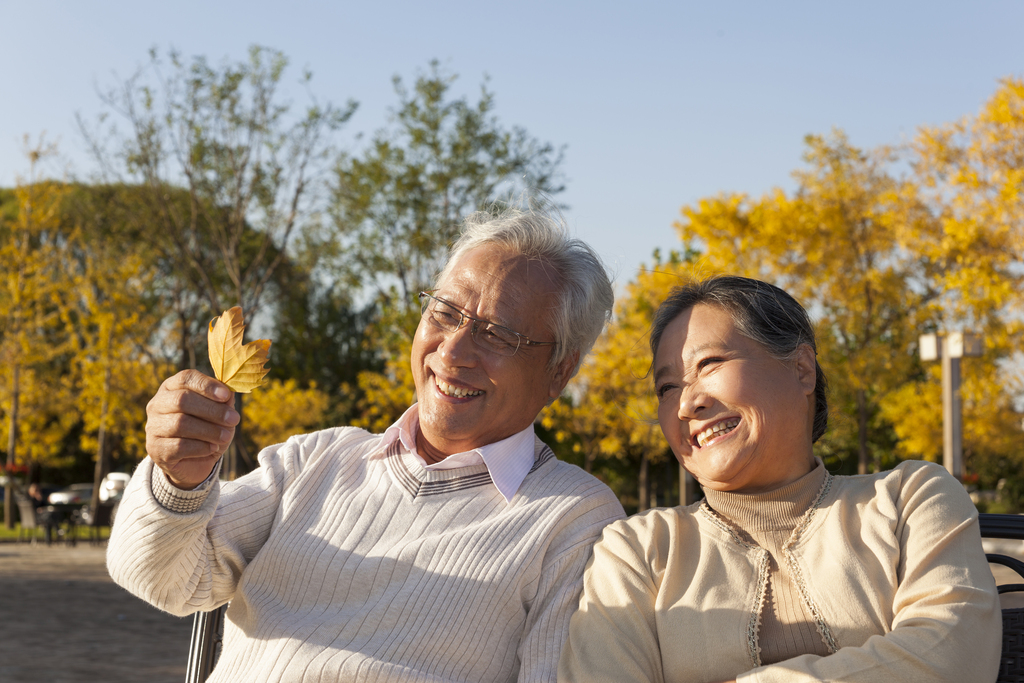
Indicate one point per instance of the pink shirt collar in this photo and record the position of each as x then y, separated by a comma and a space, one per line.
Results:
508, 461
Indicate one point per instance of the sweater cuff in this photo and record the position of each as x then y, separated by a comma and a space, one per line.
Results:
178, 500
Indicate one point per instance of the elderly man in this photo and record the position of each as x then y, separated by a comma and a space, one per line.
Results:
450, 548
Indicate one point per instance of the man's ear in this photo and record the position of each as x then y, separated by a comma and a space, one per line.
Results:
561, 376
806, 368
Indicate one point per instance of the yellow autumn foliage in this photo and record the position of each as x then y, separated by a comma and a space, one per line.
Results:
609, 411
973, 173
387, 394
282, 409
46, 414
29, 331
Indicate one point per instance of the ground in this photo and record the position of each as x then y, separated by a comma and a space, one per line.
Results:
62, 620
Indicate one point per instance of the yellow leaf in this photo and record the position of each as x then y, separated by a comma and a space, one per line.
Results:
238, 366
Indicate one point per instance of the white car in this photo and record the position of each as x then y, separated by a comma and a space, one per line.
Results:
76, 494
113, 486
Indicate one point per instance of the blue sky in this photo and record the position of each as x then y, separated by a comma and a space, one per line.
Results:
658, 104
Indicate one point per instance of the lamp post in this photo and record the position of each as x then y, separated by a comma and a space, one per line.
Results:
950, 348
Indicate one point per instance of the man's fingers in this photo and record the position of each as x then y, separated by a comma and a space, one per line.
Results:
190, 423
178, 425
169, 451
198, 383
189, 472
184, 402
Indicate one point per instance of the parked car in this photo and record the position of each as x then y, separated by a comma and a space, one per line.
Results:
113, 486
76, 494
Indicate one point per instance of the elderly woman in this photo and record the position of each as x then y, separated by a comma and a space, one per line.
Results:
784, 572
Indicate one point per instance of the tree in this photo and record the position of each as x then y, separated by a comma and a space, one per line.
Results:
970, 173
28, 243
610, 413
282, 409
109, 324
320, 337
250, 168
398, 206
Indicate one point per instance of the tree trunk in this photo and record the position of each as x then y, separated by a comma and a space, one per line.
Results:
100, 470
689, 490
862, 432
237, 453
184, 360
668, 483
645, 485
12, 440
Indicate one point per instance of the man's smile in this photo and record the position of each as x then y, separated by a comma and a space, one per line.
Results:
454, 391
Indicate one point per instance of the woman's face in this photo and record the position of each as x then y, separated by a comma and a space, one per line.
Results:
736, 418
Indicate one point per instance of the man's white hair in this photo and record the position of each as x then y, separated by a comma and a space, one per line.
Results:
585, 290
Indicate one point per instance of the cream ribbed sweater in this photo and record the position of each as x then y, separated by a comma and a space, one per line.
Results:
346, 568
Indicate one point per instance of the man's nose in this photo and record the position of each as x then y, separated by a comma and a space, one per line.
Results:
458, 346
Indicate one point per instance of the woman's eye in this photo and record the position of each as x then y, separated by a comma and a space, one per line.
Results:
706, 362
664, 389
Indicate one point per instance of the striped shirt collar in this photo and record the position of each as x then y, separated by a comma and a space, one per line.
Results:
508, 461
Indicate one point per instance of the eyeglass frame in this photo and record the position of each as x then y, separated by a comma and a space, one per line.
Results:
480, 324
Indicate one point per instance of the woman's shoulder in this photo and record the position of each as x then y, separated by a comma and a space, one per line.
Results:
654, 532
910, 485
909, 473
657, 519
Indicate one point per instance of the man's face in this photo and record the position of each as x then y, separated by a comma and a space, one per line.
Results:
468, 396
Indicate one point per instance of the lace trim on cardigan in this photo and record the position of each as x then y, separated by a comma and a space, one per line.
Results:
794, 568
754, 624
725, 526
754, 627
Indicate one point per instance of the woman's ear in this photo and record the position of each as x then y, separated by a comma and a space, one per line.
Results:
806, 368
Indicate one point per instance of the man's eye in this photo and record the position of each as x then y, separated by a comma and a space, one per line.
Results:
498, 336
447, 318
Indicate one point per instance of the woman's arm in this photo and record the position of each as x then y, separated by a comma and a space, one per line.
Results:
946, 619
613, 636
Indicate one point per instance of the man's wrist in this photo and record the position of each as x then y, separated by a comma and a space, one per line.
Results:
181, 501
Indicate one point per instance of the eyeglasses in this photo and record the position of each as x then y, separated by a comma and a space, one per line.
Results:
487, 335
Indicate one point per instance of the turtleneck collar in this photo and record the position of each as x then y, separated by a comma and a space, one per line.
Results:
769, 510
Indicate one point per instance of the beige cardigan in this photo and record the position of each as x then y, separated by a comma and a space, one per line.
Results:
890, 565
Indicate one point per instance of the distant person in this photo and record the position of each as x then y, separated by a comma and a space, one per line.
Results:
35, 494
449, 548
784, 572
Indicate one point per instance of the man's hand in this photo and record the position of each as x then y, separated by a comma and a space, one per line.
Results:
191, 423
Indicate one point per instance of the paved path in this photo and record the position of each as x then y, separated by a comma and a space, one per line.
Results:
62, 620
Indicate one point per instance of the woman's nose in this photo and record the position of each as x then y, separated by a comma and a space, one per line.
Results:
692, 400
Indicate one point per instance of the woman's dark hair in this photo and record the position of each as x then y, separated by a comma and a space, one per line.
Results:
761, 312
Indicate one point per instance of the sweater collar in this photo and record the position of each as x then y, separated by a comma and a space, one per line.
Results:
779, 509
508, 461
